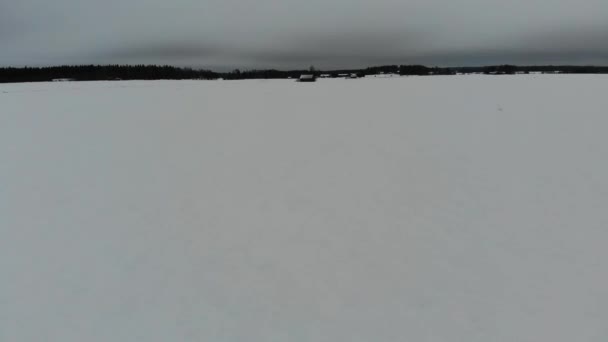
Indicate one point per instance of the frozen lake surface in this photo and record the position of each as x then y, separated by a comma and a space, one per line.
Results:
464, 208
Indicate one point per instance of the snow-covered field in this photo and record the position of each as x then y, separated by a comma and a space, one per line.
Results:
465, 208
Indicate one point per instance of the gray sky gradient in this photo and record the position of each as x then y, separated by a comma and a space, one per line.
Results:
222, 34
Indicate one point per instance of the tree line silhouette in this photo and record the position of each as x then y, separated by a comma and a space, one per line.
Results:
103, 72
154, 72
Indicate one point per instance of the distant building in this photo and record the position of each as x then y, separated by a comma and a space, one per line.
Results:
307, 78
384, 75
63, 80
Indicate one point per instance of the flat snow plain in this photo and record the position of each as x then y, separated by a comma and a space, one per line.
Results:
464, 208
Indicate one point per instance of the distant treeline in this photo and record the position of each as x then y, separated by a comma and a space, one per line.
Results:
102, 73
386, 69
495, 69
412, 70
153, 72
512, 69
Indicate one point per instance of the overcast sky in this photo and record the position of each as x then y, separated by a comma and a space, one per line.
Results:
223, 34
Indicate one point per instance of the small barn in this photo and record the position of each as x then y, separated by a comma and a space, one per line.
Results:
307, 78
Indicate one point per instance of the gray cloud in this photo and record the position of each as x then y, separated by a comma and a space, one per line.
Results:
169, 50
9, 27
290, 33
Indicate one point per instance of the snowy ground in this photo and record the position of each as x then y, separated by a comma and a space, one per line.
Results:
465, 208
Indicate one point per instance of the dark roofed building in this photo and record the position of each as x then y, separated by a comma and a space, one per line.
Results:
307, 78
